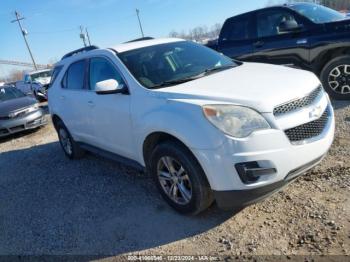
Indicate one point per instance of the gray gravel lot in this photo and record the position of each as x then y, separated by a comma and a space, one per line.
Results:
92, 206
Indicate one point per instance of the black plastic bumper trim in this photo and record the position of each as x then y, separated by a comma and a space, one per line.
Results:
242, 198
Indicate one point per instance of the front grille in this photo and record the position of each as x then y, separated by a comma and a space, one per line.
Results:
17, 128
308, 130
297, 104
3, 131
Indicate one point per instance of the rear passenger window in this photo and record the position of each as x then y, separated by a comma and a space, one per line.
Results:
75, 75
237, 29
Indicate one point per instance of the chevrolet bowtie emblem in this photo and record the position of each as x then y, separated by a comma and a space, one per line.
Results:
316, 112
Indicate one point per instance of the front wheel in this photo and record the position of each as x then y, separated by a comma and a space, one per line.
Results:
180, 179
335, 78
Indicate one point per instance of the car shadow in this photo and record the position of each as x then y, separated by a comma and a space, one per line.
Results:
51, 205
18, 135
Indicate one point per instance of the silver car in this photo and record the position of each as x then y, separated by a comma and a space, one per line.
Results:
18, 112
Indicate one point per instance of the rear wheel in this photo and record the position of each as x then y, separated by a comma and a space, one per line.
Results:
336, 78
69, 146
180, 179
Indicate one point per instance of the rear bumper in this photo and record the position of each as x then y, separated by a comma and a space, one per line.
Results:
31, 121
242, 198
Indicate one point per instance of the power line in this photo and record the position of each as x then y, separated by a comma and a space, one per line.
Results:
18, 63
24, 34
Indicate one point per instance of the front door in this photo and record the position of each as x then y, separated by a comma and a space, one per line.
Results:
110, 112
276, 47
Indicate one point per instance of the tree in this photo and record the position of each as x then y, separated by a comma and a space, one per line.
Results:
199, 33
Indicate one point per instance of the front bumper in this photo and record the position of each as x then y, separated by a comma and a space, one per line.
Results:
270, 149
242, 198
30, 121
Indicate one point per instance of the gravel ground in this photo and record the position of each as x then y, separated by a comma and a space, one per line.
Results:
50, 205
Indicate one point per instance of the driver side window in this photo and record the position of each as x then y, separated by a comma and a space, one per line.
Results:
101, 69
268, 22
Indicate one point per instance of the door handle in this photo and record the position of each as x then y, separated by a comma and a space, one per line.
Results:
258, 44
91, 104
302, 41
63, 97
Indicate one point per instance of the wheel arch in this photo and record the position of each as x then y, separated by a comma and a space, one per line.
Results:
329, 55
55, 119
156, 138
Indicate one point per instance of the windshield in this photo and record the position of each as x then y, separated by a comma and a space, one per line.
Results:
8, 93
160, 65
317, 13
37, 76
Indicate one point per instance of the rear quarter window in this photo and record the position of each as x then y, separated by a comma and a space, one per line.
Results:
56, 71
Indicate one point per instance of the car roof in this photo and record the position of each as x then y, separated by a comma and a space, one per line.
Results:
143, 43
286, 5
37, 71
131, 45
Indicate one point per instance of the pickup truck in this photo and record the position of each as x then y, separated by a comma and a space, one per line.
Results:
300, 35
35, 83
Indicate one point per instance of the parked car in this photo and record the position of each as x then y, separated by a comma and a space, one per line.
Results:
36, 83
206, 128
18, 112
301, 35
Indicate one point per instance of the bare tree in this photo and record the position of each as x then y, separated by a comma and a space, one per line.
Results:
199, 33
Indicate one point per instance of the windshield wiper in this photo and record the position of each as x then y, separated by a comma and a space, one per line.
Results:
191, 78
218, 68
178, 81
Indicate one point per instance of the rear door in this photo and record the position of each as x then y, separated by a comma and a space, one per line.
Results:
276, 47
237, 37
73, 100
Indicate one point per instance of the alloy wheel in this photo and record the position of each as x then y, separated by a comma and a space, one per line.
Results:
65, 141
339, 79
174, 180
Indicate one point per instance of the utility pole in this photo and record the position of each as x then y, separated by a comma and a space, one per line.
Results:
24, 34
82, 35
88, 37
138, 17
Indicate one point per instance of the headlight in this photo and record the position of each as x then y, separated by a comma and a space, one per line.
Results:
33, 108
236, 121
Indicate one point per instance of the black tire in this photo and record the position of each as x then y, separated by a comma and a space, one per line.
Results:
75, 151
326, 77
201, 197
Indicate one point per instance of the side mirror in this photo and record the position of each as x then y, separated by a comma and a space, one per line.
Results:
289, 26
110, 86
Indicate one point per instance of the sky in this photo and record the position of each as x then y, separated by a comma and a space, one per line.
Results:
53, 25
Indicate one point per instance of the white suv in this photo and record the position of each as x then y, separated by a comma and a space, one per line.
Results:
205, 127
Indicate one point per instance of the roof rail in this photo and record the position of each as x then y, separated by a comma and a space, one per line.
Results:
81, 50
140, 39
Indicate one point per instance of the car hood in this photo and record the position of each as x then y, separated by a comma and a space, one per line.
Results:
43, 80
12, 105
255, 85
338, 25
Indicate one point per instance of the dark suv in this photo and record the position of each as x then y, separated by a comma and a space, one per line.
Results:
301, 35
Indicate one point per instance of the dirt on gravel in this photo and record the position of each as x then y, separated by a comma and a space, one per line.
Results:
51, 205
